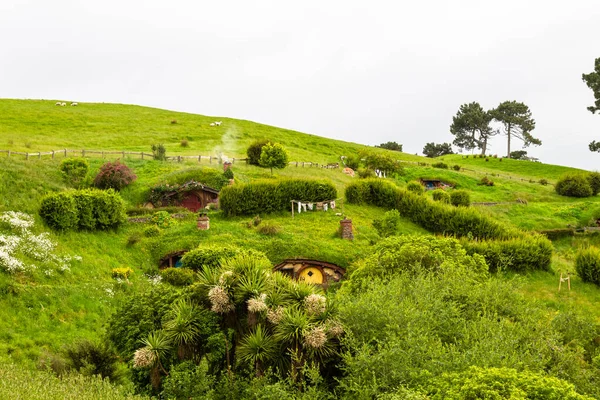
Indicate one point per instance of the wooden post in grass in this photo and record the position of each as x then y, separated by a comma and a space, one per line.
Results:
53, 154
27, 156
65, 152
565, 279
292, 208
8, 154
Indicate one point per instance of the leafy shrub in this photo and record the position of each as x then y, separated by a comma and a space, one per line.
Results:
587, 265
162, 219
460, 198
228, 174
415, 187
558, 233
485, 181
594, 180
188, 381
151, 231
382, 162
273, 155
114, 175
254, 150
268, 196
209, 176
388, 225
159, 152
352, 161
269, 229
574, 185
440, 195
59, 211
365, 173
74, 170
92, 359
178, 276
83, 209
184, 143
256, 220
134, 238
122, 273
543, 182
502, 383
433, 216
440, 164
211, 256
456, 167
524, 254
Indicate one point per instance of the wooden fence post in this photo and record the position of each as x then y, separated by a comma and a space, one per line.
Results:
65, 152
200, 158
210, 159
53, 154
142, 155
27, 156
82, 153
123, 154
39, 155
9, 153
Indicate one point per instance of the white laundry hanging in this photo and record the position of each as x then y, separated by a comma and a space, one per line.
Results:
304, 207
299, 207
332, 205
310, 206
325, 207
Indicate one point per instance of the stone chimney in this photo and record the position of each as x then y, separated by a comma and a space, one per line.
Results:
203, 222
346, 229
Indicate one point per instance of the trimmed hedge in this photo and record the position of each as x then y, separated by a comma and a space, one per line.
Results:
460, 198
434, 216
178, 276
83, 209
441, 196
524, 254
415, 187
587, 265
574, 185
262, 197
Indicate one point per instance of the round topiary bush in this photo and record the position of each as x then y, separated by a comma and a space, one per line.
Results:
441, 196
460, 198
114, 175
594, 180
415, 187
74, 170
574, 185
587, 265
440, 164
178, 276
59, 211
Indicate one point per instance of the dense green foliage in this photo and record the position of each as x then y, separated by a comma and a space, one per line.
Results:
592, 80
273, 155
441, 165
210, 257
83, 209
440, 195
255, 150
178, 276
388, 225
74, 171
471, 127
433, 216
390, 146
587, 265
525, 254
516, 122
432, 150
574, 185
415, 187
262, 197
114, 175
460, 198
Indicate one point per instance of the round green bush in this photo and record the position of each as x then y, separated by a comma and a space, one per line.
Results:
440, 195
415, 187
178, 276
59, 211
151, 231
74, 170
594, 180
456, 167
587, 265
440, 164
460, 198
365, 173
574, 185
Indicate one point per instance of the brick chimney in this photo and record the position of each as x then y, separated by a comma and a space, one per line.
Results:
346, 229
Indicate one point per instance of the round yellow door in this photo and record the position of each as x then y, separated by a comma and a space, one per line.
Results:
311, 275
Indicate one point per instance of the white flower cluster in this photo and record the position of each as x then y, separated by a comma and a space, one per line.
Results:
143, 358
315, 337
155, 279
275, 316
315, 304
225, 277
257, 304
37, 247
335, 328
17, 220
219, 299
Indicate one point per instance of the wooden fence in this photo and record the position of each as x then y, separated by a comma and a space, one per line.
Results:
123, 153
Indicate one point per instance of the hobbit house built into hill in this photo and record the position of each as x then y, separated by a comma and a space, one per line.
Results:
191, 195
311, 271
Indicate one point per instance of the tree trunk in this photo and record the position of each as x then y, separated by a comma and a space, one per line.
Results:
484, 146
509, 134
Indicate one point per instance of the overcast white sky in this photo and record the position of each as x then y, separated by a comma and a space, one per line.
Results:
368, 71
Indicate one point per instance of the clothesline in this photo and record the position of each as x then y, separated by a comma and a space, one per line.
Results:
306, 206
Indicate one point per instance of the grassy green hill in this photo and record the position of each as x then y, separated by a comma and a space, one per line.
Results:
42, 311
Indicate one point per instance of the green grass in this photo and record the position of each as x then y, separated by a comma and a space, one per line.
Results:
40, 313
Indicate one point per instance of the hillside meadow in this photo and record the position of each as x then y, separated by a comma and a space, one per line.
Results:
418, 313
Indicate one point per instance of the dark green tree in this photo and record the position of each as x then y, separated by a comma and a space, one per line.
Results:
516, 122
391, 146
255, 149
592, 80
471, 127
435, 150
518, 155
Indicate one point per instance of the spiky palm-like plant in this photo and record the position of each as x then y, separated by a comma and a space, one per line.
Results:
290, 332
257, 348
183, 326
157, 346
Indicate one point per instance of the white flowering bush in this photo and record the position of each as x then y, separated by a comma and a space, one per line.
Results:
19, 247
